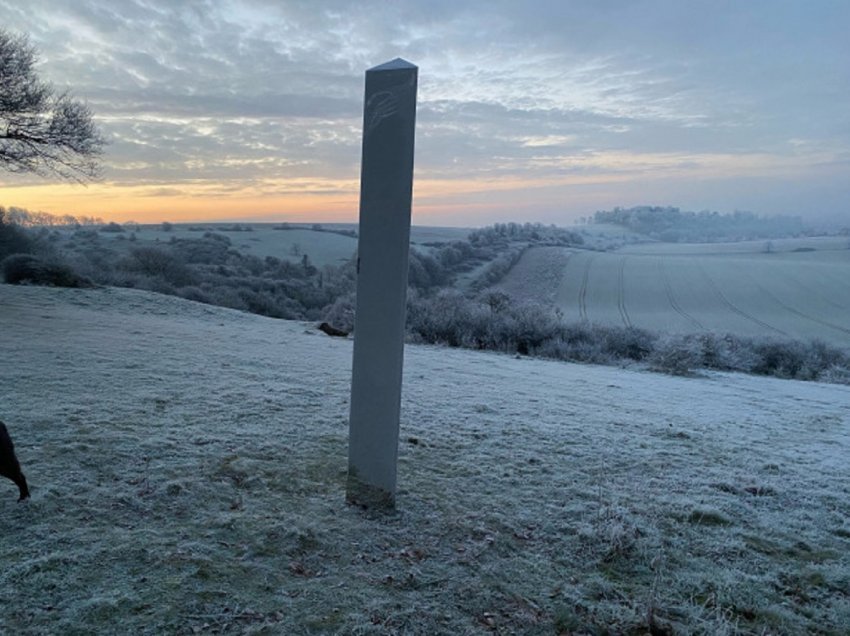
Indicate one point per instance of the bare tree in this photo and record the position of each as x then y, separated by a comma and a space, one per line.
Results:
42, 131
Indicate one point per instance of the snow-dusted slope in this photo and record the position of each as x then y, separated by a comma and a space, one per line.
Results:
734, 288
187, 465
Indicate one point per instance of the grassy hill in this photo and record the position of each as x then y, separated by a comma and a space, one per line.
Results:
323, 244
785, 288
187, 465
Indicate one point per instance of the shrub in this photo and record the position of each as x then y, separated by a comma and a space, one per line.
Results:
212, 248
628, 343
159, 263
448, 318
783, 359
226, 297
727, 352
521, 328
676, 355
154, 284
821, 358
14, 240
94, 263
26, 268
798, 360
266, 304
498, 269
589, 351
86, 235
341, 313
196, 294
424, 271
112, 227
836, 374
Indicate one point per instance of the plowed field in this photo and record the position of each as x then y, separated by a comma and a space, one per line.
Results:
799, 289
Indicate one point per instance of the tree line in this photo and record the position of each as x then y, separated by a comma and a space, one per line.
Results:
671, 224
29, 218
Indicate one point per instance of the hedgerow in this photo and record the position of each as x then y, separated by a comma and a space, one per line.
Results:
455, 320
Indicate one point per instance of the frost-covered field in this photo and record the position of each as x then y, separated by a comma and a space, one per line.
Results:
187, 465
322, 248
798, 290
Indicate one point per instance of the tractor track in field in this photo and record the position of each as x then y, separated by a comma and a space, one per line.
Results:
668, 290
621, 294
734, 308
582, 292
796, 311
798, 283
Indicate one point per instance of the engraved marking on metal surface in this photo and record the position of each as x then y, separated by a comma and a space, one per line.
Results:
382, 105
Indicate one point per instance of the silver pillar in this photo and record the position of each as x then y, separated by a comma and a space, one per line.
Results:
386, 189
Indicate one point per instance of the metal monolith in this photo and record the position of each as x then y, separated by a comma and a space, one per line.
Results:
386, 189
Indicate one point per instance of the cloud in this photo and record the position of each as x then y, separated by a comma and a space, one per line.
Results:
246, 93
163, 192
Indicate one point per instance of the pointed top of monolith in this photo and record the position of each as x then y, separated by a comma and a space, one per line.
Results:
393, 65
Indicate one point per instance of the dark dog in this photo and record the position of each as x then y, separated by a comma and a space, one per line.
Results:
9, 466
332, 331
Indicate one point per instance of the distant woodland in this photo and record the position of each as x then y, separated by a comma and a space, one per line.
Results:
44, 249
673, 225
29, 218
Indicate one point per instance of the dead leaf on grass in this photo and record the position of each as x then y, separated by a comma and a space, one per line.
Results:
299, 569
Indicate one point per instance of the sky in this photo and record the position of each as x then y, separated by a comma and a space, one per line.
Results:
540, 110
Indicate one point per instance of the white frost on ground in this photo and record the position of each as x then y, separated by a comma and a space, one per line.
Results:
537, 276
187, 465
686, 289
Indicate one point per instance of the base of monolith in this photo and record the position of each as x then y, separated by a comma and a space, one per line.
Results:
359, 493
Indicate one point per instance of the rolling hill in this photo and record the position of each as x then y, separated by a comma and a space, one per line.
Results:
799, 289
